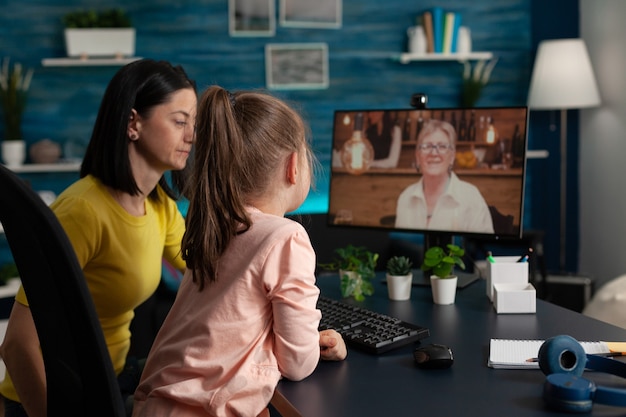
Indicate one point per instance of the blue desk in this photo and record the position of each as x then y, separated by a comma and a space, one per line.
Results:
390, 384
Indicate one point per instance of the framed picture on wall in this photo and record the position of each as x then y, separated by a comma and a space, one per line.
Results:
296, 66
325, 14
251, 17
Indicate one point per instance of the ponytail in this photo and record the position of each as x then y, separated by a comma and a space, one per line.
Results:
216, 204
242, 142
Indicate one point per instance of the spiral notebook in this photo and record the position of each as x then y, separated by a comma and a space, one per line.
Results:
519, 354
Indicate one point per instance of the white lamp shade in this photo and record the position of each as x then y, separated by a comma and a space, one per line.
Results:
562, 77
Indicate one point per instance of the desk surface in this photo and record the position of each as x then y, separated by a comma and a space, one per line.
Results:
390, 384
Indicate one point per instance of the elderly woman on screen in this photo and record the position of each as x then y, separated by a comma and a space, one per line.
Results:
440, 200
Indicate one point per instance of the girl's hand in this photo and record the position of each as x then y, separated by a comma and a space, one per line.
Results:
332, 346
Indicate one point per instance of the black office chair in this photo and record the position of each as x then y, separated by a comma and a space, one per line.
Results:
79, 372
502, 224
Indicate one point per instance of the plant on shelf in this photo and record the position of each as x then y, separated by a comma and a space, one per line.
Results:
399, 265
14, 84
474, 80
441, 263
8, 271
106, 33
111, 18
356, 266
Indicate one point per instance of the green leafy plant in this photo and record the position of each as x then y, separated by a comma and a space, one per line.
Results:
474, 80
110, 18
399, 265
357, 266
14, 85
441, 263
8, 271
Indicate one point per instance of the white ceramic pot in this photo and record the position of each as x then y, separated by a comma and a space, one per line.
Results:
90, 42
417, 40
13, 153
399, 286
444, 289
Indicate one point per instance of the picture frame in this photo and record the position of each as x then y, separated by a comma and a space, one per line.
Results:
324, 14
251, 18
296, 66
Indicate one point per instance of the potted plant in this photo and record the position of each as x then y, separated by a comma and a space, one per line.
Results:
14, 85
104, 33
399, 277
356, 266
441, 264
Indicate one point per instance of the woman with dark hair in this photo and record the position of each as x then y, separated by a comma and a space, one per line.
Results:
120, 217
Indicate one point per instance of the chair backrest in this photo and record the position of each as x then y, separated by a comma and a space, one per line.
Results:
502, 224
79, 372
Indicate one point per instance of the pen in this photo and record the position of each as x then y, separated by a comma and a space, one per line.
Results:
606, 355
524, 258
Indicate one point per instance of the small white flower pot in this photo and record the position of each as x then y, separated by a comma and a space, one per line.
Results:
13, 153
399, 286
443, 289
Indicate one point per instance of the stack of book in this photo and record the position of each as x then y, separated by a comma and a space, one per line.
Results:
441, 28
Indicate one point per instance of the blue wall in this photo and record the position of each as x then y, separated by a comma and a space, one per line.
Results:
64, 100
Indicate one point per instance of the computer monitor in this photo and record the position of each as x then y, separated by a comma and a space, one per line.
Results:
441, 172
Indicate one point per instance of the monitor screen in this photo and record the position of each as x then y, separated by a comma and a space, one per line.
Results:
449, 171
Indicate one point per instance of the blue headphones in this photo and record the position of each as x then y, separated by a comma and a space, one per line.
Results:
563, 360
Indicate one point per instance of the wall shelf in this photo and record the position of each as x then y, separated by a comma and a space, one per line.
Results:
405, 58
43, 168
89, 62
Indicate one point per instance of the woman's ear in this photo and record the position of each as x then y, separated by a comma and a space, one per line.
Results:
292, 168
133, 125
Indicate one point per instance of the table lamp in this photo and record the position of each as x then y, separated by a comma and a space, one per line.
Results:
562, 79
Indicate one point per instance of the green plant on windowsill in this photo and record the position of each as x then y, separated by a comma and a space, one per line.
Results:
110, 18
441, 263
356, 266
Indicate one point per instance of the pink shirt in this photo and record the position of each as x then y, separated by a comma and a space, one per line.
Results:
222, 351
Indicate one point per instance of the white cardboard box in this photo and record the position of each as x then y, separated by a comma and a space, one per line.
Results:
505, 269
514, 298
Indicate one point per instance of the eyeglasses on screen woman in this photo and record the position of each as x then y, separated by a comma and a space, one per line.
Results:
441, 148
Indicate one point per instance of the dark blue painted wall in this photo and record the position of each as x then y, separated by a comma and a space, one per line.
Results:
555, 20
64, 101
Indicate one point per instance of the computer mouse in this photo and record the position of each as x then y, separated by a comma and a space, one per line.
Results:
433, 356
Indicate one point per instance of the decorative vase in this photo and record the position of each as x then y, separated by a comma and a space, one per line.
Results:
399, 286
417, 40
13, 152
45, 152
443, 289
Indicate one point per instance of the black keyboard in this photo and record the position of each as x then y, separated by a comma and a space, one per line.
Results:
365, 329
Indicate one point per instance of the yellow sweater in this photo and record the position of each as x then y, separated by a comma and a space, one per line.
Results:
120, 255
